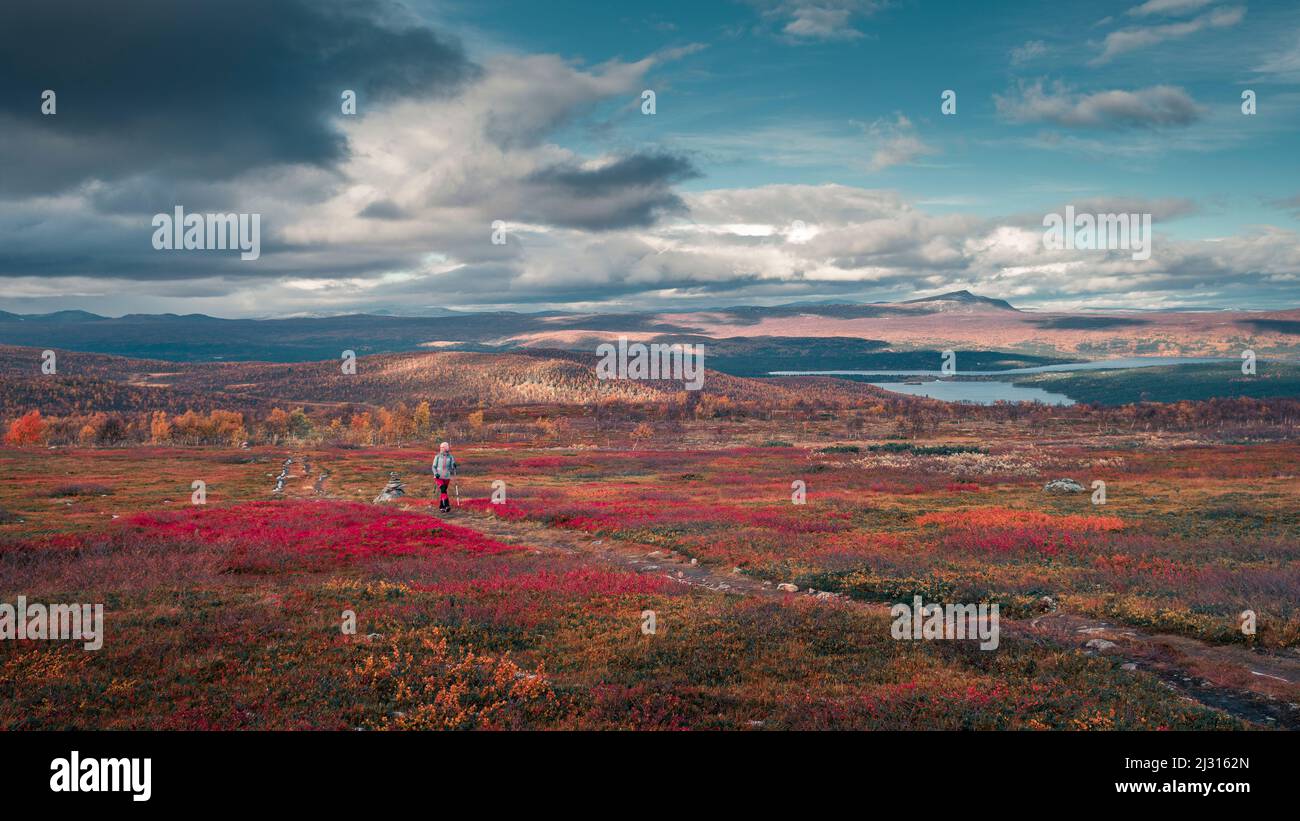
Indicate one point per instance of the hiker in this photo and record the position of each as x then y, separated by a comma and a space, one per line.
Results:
444, 468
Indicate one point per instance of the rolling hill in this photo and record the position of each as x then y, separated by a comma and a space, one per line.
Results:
99, 382
749, 340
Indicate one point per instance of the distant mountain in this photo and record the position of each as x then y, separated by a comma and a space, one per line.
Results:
68, 316
961, 300
56, 317
421, 312
744, 340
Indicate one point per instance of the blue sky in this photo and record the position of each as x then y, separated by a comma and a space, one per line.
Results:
771, 114
749, 79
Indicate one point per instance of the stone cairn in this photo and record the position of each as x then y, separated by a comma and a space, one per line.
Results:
392, 490
284, 474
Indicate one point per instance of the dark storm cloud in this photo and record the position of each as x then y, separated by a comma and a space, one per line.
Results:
632, 191
382, 210
634, 170
144, 196
204, 89
82, 245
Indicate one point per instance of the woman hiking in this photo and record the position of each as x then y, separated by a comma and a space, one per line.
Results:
444, 468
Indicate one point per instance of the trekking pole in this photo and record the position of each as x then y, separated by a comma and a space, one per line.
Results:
456, 482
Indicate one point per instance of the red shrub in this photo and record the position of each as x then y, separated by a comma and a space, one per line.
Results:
342, 530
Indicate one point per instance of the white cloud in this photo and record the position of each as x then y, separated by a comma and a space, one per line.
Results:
896, 143
1132, 39
1027, 52
736, 245
821, 24
817, 20
1144, 107
1167, 7
1281, 66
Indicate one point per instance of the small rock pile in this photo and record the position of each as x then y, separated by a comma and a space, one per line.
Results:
1062, 486
393, 490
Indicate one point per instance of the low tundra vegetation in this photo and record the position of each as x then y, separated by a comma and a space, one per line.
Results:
230, 614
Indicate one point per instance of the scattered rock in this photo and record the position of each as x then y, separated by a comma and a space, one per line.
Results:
1100, 644
1062, 486
1047, 603
787, 587
1129, 666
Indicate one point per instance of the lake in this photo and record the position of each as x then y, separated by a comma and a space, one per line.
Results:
986, 393
981, 393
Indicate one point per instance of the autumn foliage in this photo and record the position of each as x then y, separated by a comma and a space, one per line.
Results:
26, 430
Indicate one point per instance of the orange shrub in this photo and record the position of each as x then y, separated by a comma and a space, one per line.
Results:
990, 518
26, 430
